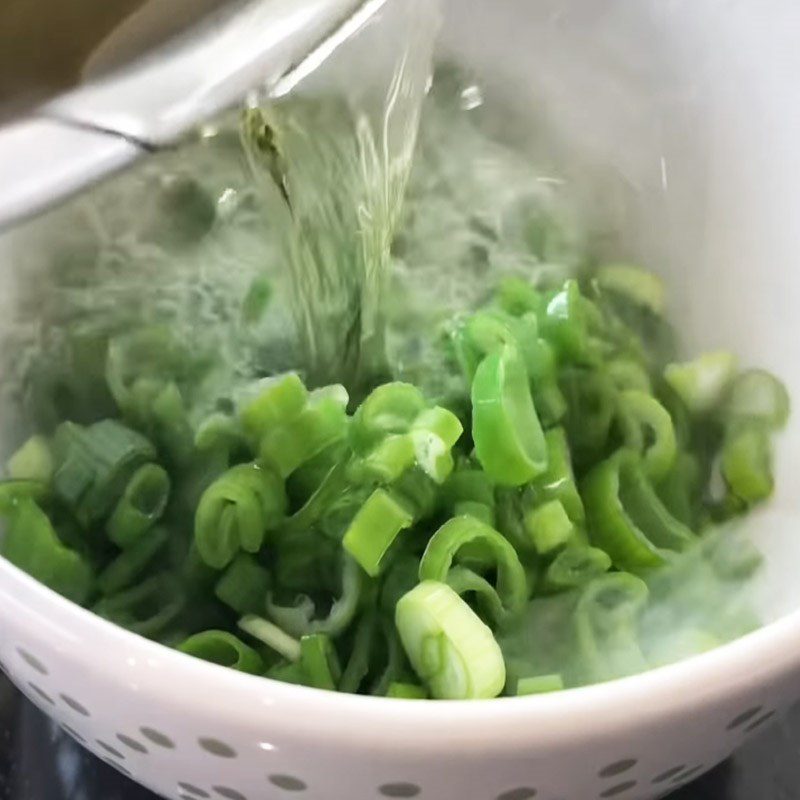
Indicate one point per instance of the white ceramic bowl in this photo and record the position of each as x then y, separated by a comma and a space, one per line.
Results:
689, 107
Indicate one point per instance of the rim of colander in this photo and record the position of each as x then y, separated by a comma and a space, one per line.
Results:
758, 658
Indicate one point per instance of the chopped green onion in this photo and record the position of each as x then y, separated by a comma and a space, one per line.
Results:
225, 649
14, 491
557, 482
31, 544
140, 507
450, 649
564, 323
131, 564
319, 661
391, 408
299, 620
387, 461
293, 443
480, 511
747, 464
219, 432
605, 624
702, 382
418, 492
626, 373
440, 422
463, 580
406, 691
235, 513
374, 528
591, 403
539, 684
33, 461
468, 485
147, 608
360, 650
270, 402
271, 635
509, 442
626, 518
758, 396
453, 535
517, 296
643, 288
94, 465
548, 526
244, 585
432, 455
640, 412
576, 565
679, 488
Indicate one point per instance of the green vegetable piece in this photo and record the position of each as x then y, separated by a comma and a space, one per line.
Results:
218, 432
480, 511
450, 649
271, 402
548, 526
391, 408
758, 396
557, 482
290, 445
539, 684
463, 580
319, 661
148, 608
33, 461
440, 422
575, 566
244, 585
299, 620
386, 462
432, 455
640, 287
271, 635
133, 563
406, 691
288, 672
31, 544
605, 625
509, 441
702, 382
140, 507
14, 491
459, 531
627, 373
517, 296
564, 324
235, 513
626, 518
591, 403
747, 464
639, 412
418, 492
94, 465
374, 528
225, 649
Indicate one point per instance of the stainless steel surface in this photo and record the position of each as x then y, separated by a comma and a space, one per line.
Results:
46, 47
141, 75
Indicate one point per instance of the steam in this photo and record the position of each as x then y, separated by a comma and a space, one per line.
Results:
394, 208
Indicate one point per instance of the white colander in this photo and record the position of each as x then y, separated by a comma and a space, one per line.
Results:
686, 114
